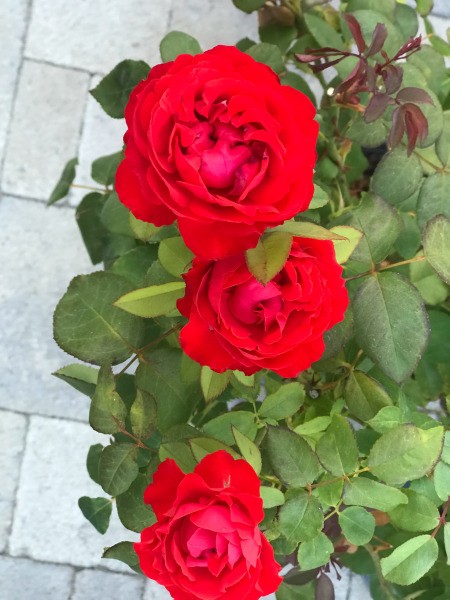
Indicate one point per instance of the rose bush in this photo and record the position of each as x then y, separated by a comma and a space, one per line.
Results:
351, 451
206, 543
236, 322
216, 142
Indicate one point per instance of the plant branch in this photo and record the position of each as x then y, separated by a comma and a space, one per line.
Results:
442, 518
139, 352
88, 187
376, 561
391, 266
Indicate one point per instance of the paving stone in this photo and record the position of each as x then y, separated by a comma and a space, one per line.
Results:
12, 28
43, 251
96, 35
12, 438
91, 584
153, 591
48, 525
44, 129
101, 135
23, 579
213, 22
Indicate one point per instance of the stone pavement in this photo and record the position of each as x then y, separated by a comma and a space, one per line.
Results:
55, 52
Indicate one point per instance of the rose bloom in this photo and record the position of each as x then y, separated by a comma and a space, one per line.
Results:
206, 543
215, 141
235, 322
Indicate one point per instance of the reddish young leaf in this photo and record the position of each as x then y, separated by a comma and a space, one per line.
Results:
412, 45
355, 81
355, 30
392, 76
378, 38
398, 127
416, 125
376, 107
413, 94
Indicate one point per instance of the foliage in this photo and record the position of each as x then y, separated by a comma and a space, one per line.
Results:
353, 455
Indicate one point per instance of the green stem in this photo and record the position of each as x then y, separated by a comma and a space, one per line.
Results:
391, 266
376, 561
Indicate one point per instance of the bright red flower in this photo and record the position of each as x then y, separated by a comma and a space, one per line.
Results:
206, 543
215, 141
235, 322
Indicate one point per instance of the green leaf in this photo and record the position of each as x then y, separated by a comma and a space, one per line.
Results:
336, 449
176, 43
420, 514
424, 7
93, 232
97, 511
248, 449
406, 20
358, 525
174, 256
381, 225
298, 83
269, 55
283, 403
92, 461
62, 188
221, 427
271, 497
135, 263
315, 553
160, 377
370, 135
180, 453
107, 413
431, 288
443, 142
152, 301
386, 7
301, 518
345, 248
447, 541
133, 512
336, 337
307, 229
410, 561
442, 480
123, 551
405, 452
81, 377
322, 32
118, 468
313, 426
141, 230
284, 448
397, 176
319, 199
212, 383
269, 256
386, 418
202, 446
362, 491
248, 6
445, 456
434, 198
113, 91
143, 415
104, 169
331, 493
391, 325
89, 327
115, 216
364, 396
436, 238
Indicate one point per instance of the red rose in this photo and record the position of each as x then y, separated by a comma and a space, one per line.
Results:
215, 141
206, 543
235, 322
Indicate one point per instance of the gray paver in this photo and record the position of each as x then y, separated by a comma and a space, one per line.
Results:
43, 251
48, 524
153, 591
44, 129
23, 579
12, 438
220, 22
96, 35
12, 28
101, 135
91, 584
